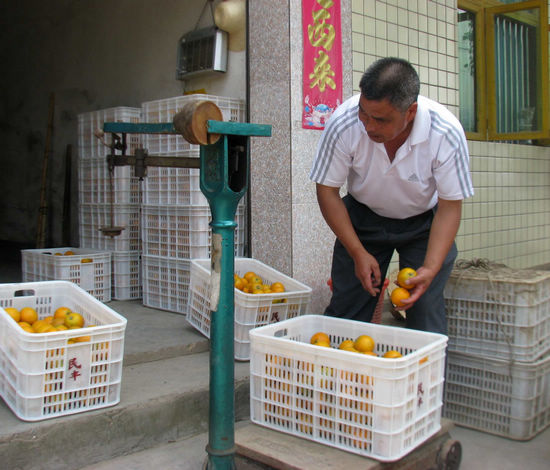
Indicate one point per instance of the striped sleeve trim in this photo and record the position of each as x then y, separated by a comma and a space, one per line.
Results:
325, 151
455, 140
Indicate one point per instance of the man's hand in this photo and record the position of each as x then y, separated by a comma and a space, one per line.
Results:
368, 272
442, 234
421, 282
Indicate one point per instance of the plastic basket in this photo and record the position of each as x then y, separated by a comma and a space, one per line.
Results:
126, 275
165, 283
495, 396
173, 186
94, 184
89, 269
503, 313
371, 406
251, 310
184, 232
42, 375
93, 217
89, 146
164, 110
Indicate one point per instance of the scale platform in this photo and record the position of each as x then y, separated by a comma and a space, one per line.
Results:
258, 448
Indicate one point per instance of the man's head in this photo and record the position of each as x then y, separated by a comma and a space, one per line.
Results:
387, 105
392, 79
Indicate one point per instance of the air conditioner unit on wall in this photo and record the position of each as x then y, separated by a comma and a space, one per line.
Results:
201, 51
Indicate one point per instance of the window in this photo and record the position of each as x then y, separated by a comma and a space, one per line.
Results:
503, 69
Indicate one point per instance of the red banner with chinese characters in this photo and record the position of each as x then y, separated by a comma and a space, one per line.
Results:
322, 74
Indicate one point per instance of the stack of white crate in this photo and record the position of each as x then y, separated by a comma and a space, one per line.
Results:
175, 214
498, 367
106, 202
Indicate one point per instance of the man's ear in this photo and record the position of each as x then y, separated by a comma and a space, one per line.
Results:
411, 112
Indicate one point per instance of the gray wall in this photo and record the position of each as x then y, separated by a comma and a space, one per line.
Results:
91, 54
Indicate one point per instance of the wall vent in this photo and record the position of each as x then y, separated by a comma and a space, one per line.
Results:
201, 51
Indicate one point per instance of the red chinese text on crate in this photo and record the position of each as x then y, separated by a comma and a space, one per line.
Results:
371, 406
43, 375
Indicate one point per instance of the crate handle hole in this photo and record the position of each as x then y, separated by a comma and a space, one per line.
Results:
25, 293
280, 333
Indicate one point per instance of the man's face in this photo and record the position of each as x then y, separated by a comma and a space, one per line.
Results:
383, 122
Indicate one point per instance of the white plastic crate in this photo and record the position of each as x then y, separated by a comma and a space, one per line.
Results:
164, 110
371, 406
509, 399
165, 283
94, 184
126, 275
251, 310
92, 217
173, 186
89, 146
42, 375
183, 232
501, 312
90, 269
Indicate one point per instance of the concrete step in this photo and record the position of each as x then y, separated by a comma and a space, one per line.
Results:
164, 398
161, 401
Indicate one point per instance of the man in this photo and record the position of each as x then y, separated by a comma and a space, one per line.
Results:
405, 160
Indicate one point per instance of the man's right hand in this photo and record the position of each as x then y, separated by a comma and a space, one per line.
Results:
367, 271
336, 215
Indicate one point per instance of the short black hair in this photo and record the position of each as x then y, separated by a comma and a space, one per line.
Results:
393, 79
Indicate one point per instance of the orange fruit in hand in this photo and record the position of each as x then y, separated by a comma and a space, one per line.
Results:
320, 337
14, 313
404, 275
364, 343
398, 295
29, 315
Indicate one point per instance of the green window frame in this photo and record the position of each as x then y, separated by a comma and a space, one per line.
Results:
503, 69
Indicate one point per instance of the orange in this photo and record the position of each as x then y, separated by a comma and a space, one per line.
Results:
239, 283
40, 326
256, 280
61, 312
61, 327
277, 287
346, 344
82, 339
320, 336
49, 319
323, 343
249, 275
29, 315
14, 313
26, 327
364, 343
69, 253
73, 320
404, 275
392, 354
370, 353
58, 321
398, 295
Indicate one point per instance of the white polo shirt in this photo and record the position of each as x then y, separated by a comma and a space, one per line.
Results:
433, 162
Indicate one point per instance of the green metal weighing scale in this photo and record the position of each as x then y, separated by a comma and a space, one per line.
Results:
224, 170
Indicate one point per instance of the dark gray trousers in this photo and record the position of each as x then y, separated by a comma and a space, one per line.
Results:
380, 237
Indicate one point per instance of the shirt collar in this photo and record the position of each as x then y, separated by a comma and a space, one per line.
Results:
422, 122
